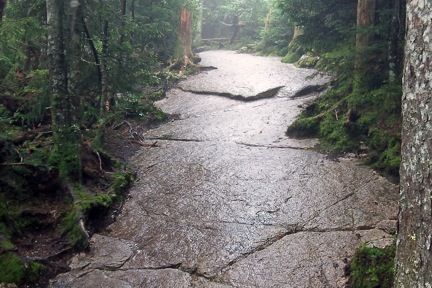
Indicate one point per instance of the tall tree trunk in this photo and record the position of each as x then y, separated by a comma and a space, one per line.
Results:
365, 22
133, 9
123, 6
57, 64
74, 53
414, 245
185, 36
66, 139
94, 51
2, 8
236, 28
397, 30
104, 102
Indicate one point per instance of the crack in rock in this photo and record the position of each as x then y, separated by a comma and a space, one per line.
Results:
271, 93
273, 146
266, 244
174, 139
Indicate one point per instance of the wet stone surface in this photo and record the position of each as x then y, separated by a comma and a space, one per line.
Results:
227, 200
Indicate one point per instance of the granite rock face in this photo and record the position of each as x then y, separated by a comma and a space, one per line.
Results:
227, 200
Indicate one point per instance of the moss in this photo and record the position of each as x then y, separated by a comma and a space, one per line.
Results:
12, 269
372, 267
121, 181
385, 152
304, 127
6, 245
345, 119
291, 57
307, 61
84, 203
335, 136
34, 271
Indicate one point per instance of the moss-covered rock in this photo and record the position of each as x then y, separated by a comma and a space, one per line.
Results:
308, 60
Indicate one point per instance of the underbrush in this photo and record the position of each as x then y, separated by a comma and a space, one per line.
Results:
51, 202
346, 121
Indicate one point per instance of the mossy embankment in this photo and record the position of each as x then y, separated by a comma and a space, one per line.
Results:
363, 123
46, 217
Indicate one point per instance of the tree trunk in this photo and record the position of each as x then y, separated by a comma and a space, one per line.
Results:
104, 102
57, 64
185, 35
414, 245
74, 54
397, 30
66, 139
365, 22
94, 51
236, 28
2, 8
133, 9
123, 6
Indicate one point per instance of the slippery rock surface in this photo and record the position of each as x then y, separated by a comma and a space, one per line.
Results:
227, 200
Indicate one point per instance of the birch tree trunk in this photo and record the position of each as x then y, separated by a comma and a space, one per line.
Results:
414, 244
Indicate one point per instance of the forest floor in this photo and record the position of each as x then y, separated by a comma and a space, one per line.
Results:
225, 199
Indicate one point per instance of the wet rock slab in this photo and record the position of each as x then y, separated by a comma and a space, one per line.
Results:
247, 77
227, 200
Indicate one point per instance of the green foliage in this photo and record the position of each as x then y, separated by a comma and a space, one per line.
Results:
345, 119
35, 100
278, 35
137, 106
12, 269
385, 151
325, 23
121, 181
335, 135
304, 127
373, 267
66, 154
291, 57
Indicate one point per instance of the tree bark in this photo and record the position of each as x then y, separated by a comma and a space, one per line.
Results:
414, 244
57, 64
365, 20
104, 102
74, 53
185, 35
397, 30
